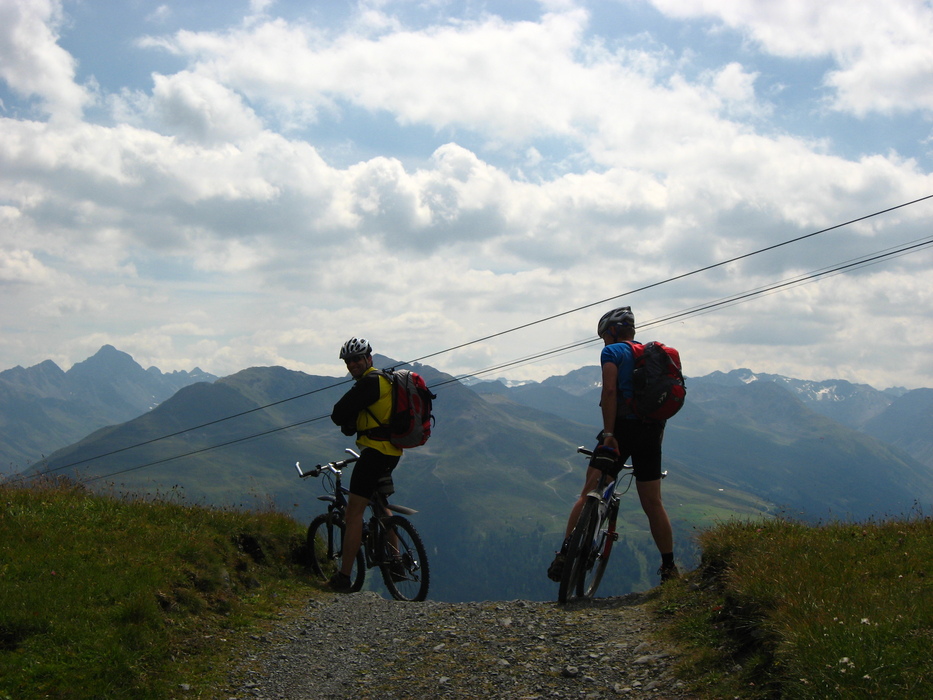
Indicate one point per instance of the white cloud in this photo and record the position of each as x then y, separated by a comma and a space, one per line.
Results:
883, 50
21, 266
736, 88
160, 15
31, 61
504, 171
483, 76
197, 109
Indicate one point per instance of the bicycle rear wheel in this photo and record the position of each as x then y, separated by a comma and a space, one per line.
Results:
404, 561
578, 552
605, 537
325, 544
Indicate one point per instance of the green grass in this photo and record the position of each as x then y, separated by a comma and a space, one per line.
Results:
104, 597
783, 610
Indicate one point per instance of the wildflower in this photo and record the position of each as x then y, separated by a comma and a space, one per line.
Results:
865, 621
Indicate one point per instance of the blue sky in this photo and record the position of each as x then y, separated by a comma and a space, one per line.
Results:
226, 185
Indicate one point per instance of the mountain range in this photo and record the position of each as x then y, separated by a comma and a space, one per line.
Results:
43, 408
495, 482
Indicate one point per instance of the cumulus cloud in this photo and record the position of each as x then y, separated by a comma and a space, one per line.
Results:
191, 106
494, 171
21, 266
31, 61
883, 50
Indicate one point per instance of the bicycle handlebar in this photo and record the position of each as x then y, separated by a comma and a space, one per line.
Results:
332, 467
589, 453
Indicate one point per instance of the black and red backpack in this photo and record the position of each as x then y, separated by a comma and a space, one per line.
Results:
410, 420
658, 388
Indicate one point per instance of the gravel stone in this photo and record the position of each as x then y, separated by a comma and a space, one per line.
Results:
362, 646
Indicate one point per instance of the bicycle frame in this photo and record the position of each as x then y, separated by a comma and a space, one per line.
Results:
592, 537
389, 541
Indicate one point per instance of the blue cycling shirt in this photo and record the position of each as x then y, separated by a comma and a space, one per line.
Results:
622, 356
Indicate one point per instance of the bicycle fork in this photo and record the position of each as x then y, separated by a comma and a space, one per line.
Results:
609, 534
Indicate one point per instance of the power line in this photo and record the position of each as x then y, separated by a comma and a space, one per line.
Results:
530, 358
195, 427
741, 297
864, 261
205, 449
672, 279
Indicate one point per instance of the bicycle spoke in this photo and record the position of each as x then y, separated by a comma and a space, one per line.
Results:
404, 562
325, 547
604, 539
578, 552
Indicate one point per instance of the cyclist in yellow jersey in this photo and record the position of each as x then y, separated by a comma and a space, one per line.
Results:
364, 411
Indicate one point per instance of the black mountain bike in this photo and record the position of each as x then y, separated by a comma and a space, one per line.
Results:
389, 541
593, 536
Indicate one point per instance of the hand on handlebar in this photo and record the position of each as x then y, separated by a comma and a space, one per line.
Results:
607, 451
609, 443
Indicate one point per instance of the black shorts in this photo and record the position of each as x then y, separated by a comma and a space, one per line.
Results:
373, 469
640, 440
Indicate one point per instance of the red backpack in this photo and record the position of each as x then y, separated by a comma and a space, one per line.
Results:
410, 420
658, 388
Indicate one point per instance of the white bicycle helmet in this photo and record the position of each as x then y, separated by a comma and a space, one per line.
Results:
622, 316
354, 347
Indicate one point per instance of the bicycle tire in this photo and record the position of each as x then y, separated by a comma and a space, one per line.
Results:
578, 550
325, 547
605, 537
404, 567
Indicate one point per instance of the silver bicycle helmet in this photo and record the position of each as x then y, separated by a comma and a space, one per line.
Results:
622, 316
354, 347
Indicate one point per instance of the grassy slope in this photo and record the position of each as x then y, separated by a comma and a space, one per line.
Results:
108, 598
784, 610
104, 598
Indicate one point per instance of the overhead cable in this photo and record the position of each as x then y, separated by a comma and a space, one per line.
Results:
541, 355
742, 297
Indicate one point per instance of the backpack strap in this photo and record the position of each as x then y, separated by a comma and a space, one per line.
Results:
382, 431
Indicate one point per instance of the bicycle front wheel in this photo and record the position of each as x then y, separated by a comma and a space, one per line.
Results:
325, 544
605, 537
404, 561
578, 552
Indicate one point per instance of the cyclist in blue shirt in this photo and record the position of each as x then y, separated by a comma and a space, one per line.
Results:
625, 435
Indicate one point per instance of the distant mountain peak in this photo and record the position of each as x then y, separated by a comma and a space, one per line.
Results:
43, 408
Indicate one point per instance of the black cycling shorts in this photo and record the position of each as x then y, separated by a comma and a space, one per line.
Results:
640, 440
373, 469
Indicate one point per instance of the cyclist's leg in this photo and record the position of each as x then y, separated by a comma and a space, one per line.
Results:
556, 568
372, 466
646, 460
353, 534
592, 478
649, 493
385, 488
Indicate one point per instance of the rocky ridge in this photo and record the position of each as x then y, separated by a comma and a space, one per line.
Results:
363, 646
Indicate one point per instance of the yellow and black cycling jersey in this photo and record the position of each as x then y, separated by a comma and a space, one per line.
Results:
365, 410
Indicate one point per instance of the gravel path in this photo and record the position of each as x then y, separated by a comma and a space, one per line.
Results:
362, 646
